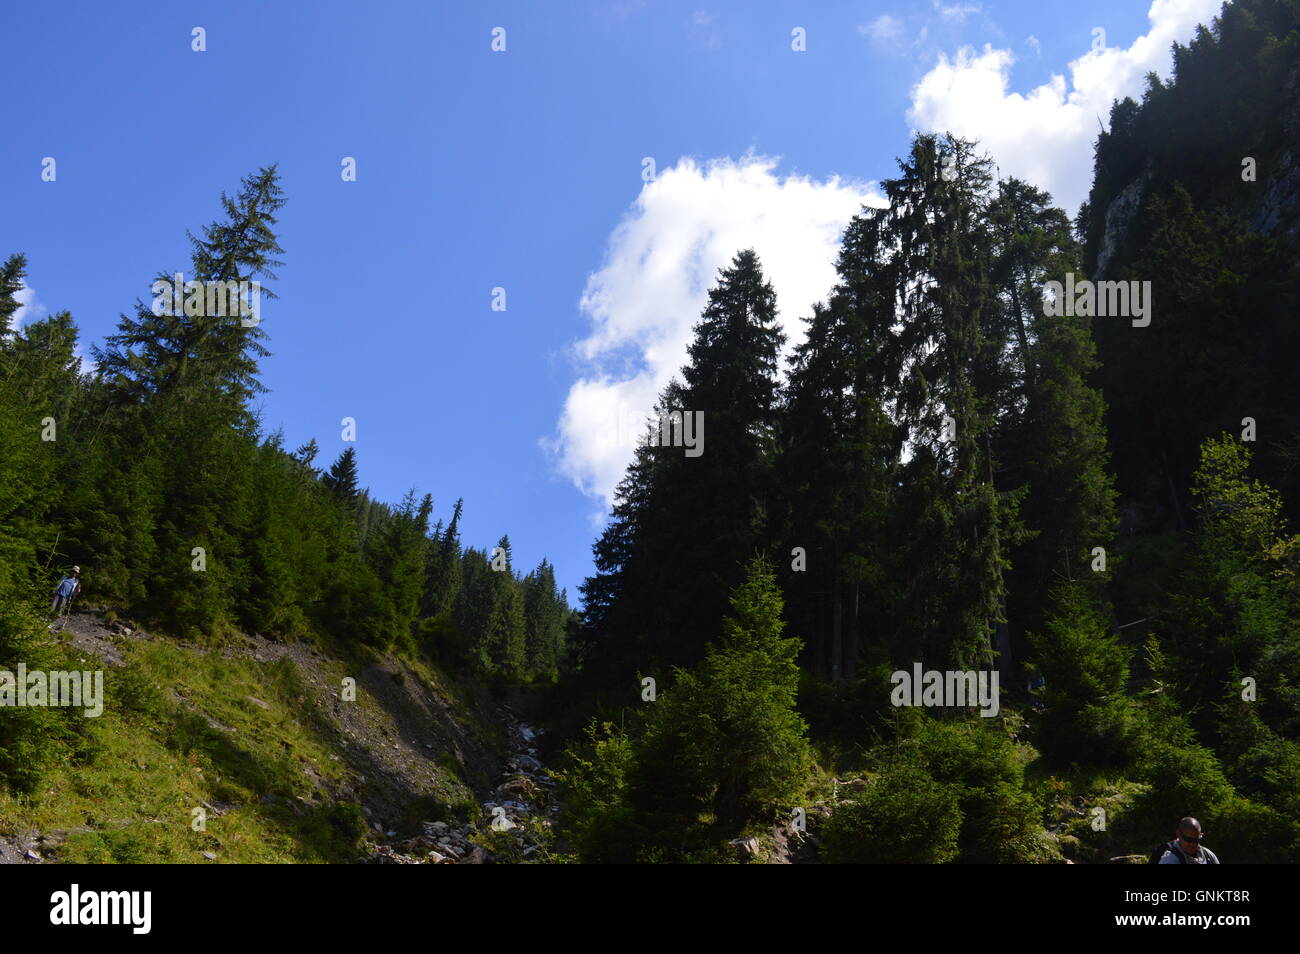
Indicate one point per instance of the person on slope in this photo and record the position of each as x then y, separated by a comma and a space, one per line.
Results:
67, 588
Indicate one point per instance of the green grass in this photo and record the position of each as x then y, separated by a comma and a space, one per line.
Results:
1068, 792
154, 757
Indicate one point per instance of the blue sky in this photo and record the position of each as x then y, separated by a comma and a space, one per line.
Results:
520, 169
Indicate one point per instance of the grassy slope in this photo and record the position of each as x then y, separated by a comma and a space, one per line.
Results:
281, 781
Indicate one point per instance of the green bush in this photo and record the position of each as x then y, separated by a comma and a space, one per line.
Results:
1005, 826
725, 743
1265, 766
592, 782
32, 738
1270, 772
134, 690
1240, 831
614, 837
1001, 818
904, 817
109, 847
1087, 718
1183, 780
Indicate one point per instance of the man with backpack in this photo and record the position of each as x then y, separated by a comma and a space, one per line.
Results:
1186, 848
67, 588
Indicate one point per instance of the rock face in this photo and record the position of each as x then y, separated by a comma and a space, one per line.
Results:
1279, 209
1119, 216
520, 812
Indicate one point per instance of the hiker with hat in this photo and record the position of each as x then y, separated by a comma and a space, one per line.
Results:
68, 587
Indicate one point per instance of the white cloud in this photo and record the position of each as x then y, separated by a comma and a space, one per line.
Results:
660, 262
883, 29
1031, 41
84, 364
29, 309
956, 12
1045, 136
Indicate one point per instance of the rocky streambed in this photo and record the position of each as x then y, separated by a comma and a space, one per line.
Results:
512, 826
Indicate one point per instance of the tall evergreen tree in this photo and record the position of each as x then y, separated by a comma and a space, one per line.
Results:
167, 352
928, 257
545, 617
1049, 440
445, 562
342, 478
12, 275
706, 510
838, 454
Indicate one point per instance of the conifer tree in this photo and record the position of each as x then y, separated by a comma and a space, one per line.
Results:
505, 640
161, 352
916, 274
12, 275
726, 739
445, 563
545, 617
838, 452
342, 478
706, 513
1049, 440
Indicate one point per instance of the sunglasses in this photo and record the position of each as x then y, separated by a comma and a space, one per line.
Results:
1190, 839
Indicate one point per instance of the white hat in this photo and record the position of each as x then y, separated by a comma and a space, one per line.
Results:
76, 569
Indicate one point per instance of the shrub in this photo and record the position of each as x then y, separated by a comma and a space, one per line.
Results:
1087, 719
1240, 831
592, 783
32, 738
1182, 778
1001, 819
904, 817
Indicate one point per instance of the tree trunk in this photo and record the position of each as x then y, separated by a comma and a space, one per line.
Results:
1173, 492
837, 645
851, 647
1006, 665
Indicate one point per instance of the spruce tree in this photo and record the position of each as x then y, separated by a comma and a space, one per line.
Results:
342, 478
706, 513
726, 739
1049, 440
545, 616
168, 353
12, 275
838, 454
443, 580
